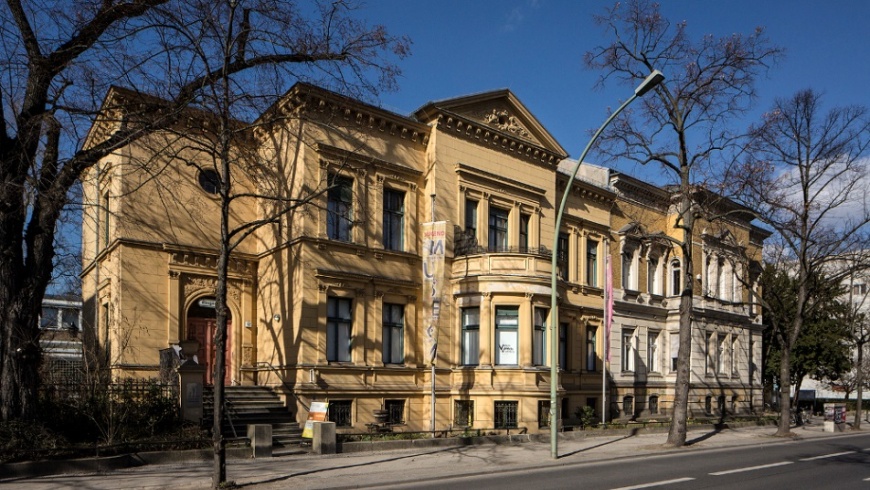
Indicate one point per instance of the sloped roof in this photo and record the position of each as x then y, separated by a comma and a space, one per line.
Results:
498, 116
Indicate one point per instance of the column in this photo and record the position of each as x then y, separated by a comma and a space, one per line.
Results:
173, 309
486, 326
360, 328
527, 313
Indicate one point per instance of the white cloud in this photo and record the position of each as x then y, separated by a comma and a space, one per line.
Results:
514, 19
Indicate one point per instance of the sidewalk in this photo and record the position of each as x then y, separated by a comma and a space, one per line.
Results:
361, 469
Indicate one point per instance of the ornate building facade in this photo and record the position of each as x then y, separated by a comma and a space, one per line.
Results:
326, 299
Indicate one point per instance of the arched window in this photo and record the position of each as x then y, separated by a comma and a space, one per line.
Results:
628, 406
676, 277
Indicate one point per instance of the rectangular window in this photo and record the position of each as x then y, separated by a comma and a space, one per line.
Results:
338, 323
340, 412
49, 318
394, 219
676, 277
592, 402
721, 354
735, 350
525, 219
563, 346
395, 411
675, 349
629, 279
629, 349
592, 263
750, 356
562, 256
107, 214
505, 413
104, 324
507, 323
543, 413
653, 281
712, 353
69, 318
591, 348
654, 404
394, 334
471, 218
470, 336
463, 413
498, 230
339, 208
539, 337
652, 352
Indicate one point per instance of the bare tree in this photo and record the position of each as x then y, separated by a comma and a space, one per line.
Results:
681, 129
805, 174
856, 320
58, 61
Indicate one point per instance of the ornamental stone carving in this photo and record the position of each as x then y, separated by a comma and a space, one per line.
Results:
194, 285
505, 122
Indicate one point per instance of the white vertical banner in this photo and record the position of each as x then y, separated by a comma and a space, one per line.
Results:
434, 236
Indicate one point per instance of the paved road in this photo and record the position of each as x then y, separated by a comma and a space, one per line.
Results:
639, 459
841, 463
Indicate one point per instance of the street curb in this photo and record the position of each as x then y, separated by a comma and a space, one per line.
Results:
370, 446
31, 469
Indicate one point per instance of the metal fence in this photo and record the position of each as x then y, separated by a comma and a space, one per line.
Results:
128, 389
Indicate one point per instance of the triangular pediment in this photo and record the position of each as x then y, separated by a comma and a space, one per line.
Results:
499, 111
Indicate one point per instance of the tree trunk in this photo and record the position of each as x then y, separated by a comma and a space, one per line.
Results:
20, 354
859, 386
784, 428
20, 357
219, 475
795, 402
679, 419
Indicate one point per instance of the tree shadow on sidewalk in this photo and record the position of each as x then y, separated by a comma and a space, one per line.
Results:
716, 430
333, 468
633, 433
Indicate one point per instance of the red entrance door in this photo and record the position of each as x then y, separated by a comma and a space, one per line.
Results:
202, 330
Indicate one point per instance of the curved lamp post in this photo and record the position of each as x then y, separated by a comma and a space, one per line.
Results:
648, 84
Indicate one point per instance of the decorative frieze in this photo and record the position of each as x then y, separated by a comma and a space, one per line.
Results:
194, 285
503, 139
506, 122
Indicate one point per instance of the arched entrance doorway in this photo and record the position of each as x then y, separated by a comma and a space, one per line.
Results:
201, 326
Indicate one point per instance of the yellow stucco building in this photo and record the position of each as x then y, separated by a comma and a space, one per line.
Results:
326, 299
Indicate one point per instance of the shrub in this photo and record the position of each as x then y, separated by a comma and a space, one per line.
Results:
586, 416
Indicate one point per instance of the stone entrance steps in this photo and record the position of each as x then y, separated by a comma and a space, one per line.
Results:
247, 405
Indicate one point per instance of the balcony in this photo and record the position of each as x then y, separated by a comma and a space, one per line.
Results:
511, 261
466, 244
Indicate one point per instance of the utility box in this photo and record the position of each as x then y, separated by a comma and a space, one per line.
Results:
191, 378
835, 417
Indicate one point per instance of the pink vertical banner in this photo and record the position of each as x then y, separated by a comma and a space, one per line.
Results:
434, 235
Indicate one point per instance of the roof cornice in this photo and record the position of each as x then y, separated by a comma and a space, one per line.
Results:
470, 130
305, 97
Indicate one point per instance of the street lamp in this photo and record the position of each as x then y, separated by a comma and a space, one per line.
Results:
648, 84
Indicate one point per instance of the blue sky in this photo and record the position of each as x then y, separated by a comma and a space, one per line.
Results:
535, 48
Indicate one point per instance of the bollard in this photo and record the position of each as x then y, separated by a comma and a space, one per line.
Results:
324, 438
260, 436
